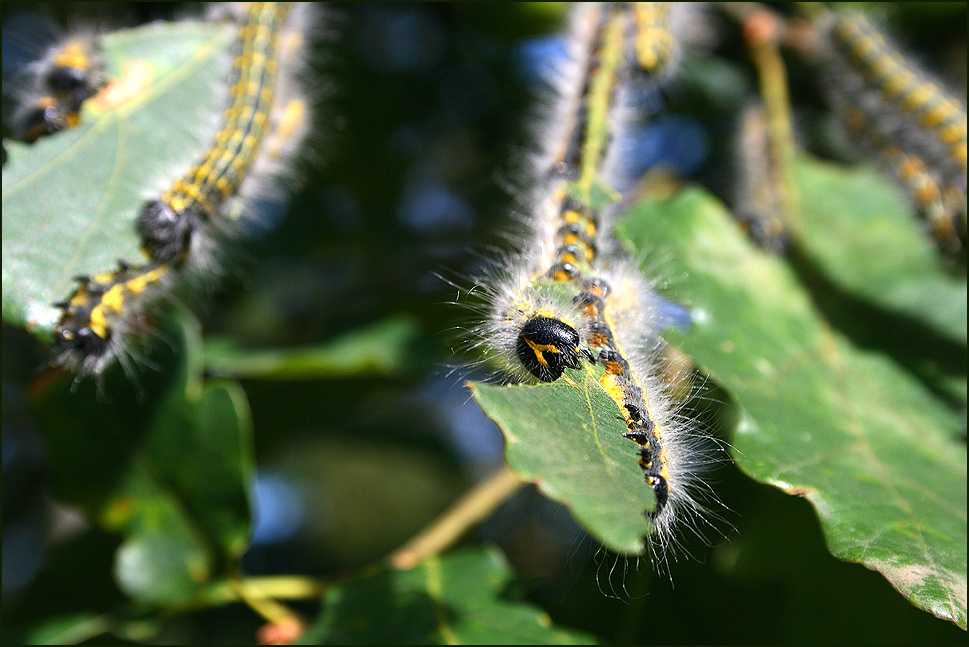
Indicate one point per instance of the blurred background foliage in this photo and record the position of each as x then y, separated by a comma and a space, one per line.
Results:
419, 125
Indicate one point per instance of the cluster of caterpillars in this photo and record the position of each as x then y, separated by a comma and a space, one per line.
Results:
104, 306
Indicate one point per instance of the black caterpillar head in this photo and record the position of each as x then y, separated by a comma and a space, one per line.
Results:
546, 346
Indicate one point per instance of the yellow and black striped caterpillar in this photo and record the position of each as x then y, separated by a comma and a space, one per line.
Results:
569, 296
70, 74
104, 309
758, 191
193, 200
182, 231
916, 98
903, 115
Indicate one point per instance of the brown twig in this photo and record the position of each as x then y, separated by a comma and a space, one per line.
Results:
471, 508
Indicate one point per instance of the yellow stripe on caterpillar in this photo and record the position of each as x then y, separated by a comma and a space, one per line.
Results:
87, 335
917, 98
168, 224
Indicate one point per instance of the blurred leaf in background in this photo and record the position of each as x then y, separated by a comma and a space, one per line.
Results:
428, 107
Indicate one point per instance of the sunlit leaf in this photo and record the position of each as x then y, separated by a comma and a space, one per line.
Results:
880, 456
567, 438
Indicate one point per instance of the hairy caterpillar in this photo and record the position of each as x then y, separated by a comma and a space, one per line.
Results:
50, 90
936, 205
757, 198
183, 230
921, 100
167, 224
906, 117
569, 296
101, 309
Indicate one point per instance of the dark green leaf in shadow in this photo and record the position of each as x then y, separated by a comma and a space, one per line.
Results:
860, 231
163, 558
385, 348
450, 599
567, 438
165, 459
50, 608
868, 444
70, 201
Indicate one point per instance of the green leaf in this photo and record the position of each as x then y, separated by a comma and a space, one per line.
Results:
452, 599
69, 630
861, 236
163, 558
56, 227
874, 450
168, 466
384, 348
567, 438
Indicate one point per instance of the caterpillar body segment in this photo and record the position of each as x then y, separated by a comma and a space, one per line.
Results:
59, 83
103, 312
920, 99
758, 197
